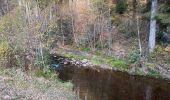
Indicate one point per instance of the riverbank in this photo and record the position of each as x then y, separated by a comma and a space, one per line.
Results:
86, 59
18, 85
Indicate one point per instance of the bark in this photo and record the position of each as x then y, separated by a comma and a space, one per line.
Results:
152, 32
134, 8
72, 5
139, 38
110, 32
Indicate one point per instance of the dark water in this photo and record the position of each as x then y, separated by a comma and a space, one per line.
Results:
105, 84
92, 84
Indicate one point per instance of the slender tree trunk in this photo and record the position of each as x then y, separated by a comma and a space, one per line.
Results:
110, 32
72, 21
62, 31
134, 8
139, 40
94, 36
152, 32
101, 30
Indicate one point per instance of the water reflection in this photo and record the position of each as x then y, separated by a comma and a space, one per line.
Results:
91, 84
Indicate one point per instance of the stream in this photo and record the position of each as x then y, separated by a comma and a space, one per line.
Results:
105, 84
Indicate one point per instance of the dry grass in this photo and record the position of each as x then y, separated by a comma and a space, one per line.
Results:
17, 85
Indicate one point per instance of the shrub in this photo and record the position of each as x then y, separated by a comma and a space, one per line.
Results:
4, 47
121, 6
168, 60
7, 55
154, 73
86, 49
42, 73
42, 58
158, 49
133, 56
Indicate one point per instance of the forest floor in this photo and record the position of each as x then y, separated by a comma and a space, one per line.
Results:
17, 85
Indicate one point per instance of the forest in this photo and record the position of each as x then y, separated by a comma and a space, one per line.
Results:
84, 49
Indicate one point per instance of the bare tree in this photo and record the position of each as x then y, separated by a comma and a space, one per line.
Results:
152, 32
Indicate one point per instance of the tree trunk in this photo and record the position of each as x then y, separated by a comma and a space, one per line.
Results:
139, 38
134, 8
152, 32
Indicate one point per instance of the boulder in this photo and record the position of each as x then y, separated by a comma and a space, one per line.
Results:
167, 49
165, 38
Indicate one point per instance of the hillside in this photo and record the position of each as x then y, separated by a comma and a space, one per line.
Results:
47, 36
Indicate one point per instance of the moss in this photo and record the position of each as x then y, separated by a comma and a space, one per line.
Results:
149, 72
71, 55
140, 72
119, 63
46, 74
154, 73
97, 60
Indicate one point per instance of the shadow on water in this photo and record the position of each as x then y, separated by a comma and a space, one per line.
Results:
105, 84
91, 84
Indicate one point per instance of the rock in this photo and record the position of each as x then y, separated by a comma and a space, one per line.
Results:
6, 97
84, 65
84, 61
167, 49
71, 62
132, 70
77, 63
166, 38
65, 62
73, 59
